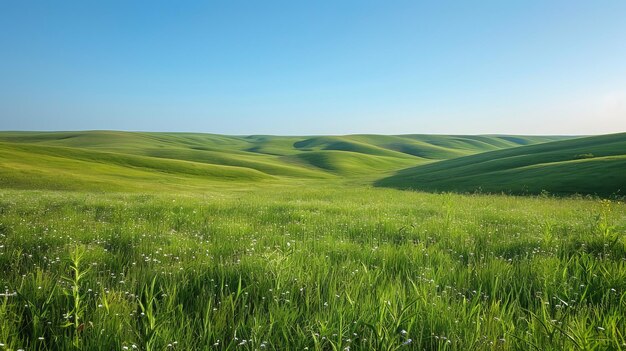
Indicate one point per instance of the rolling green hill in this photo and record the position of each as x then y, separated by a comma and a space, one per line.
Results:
591, 165
113, 160
350, 163
59, 168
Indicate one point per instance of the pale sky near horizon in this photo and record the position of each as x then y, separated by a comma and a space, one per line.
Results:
316, 67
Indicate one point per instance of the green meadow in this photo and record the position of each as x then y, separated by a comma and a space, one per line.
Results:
182, 241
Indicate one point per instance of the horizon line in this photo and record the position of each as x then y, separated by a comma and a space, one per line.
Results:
299, 135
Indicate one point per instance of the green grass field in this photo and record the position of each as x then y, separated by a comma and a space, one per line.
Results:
175, 241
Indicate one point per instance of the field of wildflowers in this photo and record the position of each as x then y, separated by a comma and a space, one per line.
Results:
310, 268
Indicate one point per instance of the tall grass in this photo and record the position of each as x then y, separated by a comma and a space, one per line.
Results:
325, 268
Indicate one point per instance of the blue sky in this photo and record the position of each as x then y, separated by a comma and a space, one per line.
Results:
314, 67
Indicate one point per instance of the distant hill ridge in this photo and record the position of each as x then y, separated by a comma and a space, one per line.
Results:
146, 161
589, 165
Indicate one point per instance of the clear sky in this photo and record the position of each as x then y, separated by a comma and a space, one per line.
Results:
314, 67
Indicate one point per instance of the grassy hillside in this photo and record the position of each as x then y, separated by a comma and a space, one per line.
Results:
61, 168
107, 160
178, 241
351, 163
591, 165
